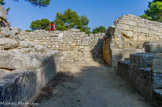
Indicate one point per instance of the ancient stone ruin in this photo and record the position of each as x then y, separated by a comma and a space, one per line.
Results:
73, 45
127, 36
29, 60
143, 72
133, 46
24, 67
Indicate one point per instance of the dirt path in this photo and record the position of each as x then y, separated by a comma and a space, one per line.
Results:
89, 85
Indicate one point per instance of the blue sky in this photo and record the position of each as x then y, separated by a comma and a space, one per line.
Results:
99, 12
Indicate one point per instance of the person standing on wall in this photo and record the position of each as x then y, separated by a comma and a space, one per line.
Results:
52, 27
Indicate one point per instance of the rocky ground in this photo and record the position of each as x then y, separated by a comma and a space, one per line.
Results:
88, 84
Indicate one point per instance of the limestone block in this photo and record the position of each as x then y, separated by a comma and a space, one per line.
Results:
144, 30
129, 33
22, 85
87, 48
45, 73
155, 28
3, 13
157, 66
6, 43
86, 39
119, 54
15, 30
157, 79
26, 44
132, 23
26, 50
121, 46
13, 59
85, 43
139, 30
16, 86
143, 60
123, 26
5, 31
123, 69
154, 47
142, 38
142, 25
151, 32
149, 26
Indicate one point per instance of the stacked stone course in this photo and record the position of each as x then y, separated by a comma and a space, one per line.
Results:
24, 67
73, 45
127, 36
144, 72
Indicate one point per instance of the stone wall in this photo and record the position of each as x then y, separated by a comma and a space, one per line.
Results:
3, 17
73, 45
127, 36
144, 72
24, 67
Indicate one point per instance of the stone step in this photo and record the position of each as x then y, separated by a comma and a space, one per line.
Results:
123, 69
141, 60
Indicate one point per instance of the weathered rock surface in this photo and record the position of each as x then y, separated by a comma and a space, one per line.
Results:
144, 72
15, 30
26, 44
157, 65
6, 43
16, 60
154, 47
24, 67
72, 44
130, 32
3, 13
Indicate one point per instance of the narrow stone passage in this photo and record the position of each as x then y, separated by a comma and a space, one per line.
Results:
89, 84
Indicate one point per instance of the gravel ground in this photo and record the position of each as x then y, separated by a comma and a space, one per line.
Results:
88, 84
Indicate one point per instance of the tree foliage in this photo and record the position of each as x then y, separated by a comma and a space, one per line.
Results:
40, 24
2, 2
70, 19
41, 3
154, 11
100, 29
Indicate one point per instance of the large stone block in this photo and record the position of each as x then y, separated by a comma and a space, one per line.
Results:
120, 54
15, 30
17, 86
22, 85
143, 60
6, 43
157, 66
16, 60
154, 47
26, 44
157, 80
5, 31
123, 69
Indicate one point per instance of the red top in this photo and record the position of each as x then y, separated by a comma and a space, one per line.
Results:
52, 26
